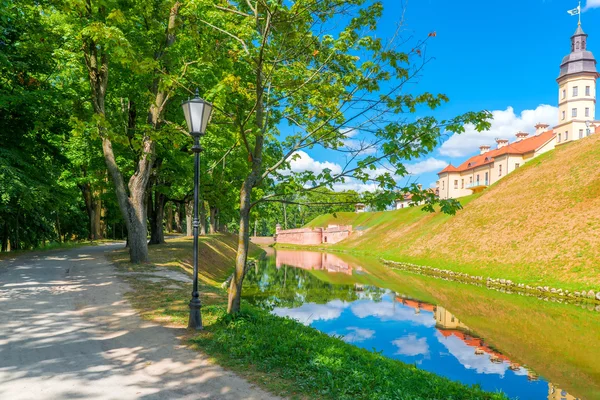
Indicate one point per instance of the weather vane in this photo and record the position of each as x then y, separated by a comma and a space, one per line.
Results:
576, 11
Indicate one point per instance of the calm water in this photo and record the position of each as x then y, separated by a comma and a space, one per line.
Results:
527, 348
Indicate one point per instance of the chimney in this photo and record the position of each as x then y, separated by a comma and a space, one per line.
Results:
502, 142
521, 135
484, 149
541, 128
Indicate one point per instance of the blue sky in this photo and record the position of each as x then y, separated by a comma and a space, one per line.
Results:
501, 56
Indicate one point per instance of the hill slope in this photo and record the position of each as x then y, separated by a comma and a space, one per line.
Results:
539, 224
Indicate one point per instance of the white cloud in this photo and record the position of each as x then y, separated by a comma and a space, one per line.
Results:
411, 346
428, 165
388, 311
349, 132
589, 4
304, 162
465, 354
309, 312
505, 124
357, 186
357, 335
364, 147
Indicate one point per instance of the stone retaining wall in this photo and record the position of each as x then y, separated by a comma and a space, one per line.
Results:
313, 236
504, 285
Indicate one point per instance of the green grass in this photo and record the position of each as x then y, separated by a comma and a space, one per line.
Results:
278, 354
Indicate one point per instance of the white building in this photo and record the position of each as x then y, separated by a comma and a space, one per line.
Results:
576, 115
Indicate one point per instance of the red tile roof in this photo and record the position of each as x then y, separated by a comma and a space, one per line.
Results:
521, 147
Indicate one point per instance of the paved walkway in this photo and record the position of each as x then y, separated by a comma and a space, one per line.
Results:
67, 333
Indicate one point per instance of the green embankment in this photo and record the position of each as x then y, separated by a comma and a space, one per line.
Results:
276, 353
538, 225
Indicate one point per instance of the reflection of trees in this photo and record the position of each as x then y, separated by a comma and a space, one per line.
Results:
287, 286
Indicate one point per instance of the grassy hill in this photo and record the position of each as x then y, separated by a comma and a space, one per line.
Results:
540, 224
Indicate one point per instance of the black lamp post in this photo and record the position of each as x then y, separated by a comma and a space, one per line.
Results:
197, 113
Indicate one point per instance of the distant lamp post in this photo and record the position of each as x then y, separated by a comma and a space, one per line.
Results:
197, 114
587, 130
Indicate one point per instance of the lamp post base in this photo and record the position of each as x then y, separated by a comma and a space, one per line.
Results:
195, 321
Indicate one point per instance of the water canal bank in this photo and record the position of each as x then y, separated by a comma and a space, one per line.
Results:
525, 347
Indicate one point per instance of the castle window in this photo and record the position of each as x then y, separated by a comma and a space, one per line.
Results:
587, 111
470, 180
499, 170
573, 112
575, 91
564, 93
563, 115
456, 184
462, 183
577, 46
587, 90
566, 136
559, 138
517, 165
580, 133
487, 176
442, 185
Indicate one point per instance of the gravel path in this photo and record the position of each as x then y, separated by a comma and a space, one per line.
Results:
66, 332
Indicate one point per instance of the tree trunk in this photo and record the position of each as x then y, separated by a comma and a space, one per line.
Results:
189, 210
255, 226
213, 220
157, 235
202, 218
97, 230
235, 288
5, 237
169, 224
179, 212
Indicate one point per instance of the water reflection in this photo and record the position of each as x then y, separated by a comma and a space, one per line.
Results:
371, 307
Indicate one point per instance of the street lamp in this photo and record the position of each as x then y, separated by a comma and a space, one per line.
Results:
197, 114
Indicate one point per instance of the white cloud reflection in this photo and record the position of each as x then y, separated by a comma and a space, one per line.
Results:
411, 346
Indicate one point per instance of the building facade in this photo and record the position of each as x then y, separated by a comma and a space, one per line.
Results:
576, 91
480, 171
576, 116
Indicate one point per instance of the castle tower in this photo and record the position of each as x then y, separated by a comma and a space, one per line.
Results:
576, 91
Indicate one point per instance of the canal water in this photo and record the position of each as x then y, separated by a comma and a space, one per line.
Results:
524, 347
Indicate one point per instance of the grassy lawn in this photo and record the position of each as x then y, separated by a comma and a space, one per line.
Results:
278, 354
539, 225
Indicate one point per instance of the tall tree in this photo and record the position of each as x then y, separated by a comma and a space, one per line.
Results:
319, 67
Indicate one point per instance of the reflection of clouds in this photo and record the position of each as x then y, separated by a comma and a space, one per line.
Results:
309, 312
522, 371
387, 311
465, 354
411, 346
357, 334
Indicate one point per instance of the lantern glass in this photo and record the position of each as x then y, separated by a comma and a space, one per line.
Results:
197, 114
